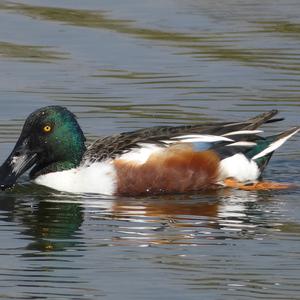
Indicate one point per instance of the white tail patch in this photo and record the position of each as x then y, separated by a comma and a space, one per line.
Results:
205, 138
239, 167
275, 145
242, 132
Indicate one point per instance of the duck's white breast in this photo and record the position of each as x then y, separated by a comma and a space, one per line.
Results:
99, 177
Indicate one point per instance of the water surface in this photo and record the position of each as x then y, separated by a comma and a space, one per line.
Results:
124, 65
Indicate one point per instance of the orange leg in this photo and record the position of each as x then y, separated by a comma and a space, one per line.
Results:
258, 186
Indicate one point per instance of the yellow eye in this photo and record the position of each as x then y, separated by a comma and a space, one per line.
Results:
47, 128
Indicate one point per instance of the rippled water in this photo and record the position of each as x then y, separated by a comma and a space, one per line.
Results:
123, 65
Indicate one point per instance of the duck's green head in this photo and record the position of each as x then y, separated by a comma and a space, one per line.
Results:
51, 140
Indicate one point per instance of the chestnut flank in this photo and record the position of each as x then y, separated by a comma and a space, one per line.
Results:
174, 170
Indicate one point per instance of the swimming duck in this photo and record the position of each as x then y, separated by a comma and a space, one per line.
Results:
162, 159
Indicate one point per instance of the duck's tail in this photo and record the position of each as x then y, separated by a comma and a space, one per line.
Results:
263, 118
262, 153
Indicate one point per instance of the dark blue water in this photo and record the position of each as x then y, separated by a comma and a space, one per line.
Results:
123, 65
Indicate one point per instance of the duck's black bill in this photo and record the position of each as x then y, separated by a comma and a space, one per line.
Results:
18, 162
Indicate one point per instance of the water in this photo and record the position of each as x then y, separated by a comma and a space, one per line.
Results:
123, 65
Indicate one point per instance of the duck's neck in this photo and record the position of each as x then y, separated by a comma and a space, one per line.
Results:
53, 167
57, 166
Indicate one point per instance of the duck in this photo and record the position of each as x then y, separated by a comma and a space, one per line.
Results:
148, 161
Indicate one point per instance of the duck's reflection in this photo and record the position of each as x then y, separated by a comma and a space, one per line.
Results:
48, 225
190, 219
51, 222
54, 226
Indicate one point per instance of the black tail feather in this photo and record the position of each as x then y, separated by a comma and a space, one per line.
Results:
261, 119
275, 120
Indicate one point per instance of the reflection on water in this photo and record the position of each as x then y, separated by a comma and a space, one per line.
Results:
52, 219
97, 19
58, 234
211, 44
284, 27
123, 65
30, 53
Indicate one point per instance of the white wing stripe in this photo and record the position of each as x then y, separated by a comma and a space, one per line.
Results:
242, 132
202, 138
246, 144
